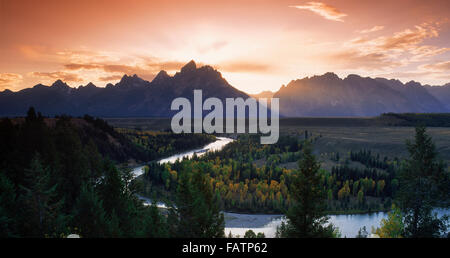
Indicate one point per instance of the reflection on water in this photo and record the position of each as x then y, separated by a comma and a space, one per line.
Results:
348, 225
214, 146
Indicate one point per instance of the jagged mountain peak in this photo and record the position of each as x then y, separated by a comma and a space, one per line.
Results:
131, 81
59, 84
413, 84
320, 95
328, 76
90, 85
161, 77
191, 66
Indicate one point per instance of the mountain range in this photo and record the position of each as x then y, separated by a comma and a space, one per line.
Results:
324, 95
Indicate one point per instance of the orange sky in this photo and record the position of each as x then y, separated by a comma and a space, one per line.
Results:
257, 45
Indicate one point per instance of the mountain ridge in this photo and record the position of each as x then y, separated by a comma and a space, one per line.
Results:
319, 95
131, 96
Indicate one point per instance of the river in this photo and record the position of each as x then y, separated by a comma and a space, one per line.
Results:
238, 224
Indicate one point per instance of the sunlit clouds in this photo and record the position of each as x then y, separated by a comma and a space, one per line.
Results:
373, 29
326, 11
9, 80
256, 47
385, 53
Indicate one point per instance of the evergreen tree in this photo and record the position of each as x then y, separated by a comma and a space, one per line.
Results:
7, 207
40, 205
423, 185
89, 214
197, 212
249, 234
155, 223
306, 217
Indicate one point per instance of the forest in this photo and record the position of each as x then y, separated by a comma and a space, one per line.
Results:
247, 177
66, 175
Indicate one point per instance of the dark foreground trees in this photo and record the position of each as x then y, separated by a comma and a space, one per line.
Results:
424, 185
197, 211
306, 217
54, 181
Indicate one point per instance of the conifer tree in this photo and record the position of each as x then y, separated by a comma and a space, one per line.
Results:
41, 207
89, 214
306, 217
423, 185
197, 212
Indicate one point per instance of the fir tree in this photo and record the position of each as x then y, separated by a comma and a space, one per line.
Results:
423, 185
41, 207
197, 212
306, 217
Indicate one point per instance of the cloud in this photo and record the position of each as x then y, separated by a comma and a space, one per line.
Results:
64, 76
110, 78
405, 40
143, 67
408, 38
326, 11
9, 80
354, 59
439, 67
373, 29
398, 49
112, 71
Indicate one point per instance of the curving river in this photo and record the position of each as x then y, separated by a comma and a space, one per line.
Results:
238, 224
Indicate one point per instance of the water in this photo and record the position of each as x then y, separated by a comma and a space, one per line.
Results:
348, 225
214, 146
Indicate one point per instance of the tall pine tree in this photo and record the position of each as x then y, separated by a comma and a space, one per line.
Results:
306, 217
424, 184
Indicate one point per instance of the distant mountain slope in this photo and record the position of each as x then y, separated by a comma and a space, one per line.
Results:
263, 94
328, 95
132, 96
442, 93
323, 96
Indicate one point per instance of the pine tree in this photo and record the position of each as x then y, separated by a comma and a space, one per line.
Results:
250, 234
155, 223
89, 214
423, 184
42, 214
7, 207
197, 212
306, 217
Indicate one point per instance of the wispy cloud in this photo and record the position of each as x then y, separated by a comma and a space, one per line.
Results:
110, 78
438, 67
326, 11
8, 80
51, 76
389, 51
373, 29
354, 59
